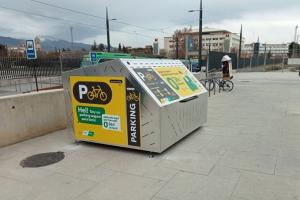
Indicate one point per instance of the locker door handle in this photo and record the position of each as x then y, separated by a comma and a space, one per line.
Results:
188, 99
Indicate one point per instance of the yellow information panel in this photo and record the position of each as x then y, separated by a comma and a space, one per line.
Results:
105, 110
180, 80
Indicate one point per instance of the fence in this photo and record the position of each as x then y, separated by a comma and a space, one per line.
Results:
262, 60
248, 60
215, 59
17, 68
19, 75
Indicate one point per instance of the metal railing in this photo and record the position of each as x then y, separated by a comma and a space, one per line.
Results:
16, 68
19, 75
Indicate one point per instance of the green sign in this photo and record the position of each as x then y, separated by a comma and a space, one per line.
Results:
90, 115
88, 133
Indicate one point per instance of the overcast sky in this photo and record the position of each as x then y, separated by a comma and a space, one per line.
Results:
140, 21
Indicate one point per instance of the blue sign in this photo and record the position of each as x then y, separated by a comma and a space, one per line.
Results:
191, 44
30, 49
93, 56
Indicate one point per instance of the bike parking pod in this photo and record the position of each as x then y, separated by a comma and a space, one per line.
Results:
144, 104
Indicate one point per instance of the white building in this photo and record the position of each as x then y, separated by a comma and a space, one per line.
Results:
272, 48
220, 40
213, 39
169, 46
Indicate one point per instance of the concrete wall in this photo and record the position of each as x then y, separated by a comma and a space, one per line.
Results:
25, 116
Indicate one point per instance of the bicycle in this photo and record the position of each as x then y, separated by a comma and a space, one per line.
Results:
97, 93
132, 97
226, 85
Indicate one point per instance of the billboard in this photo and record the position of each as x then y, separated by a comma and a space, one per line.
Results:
106, 110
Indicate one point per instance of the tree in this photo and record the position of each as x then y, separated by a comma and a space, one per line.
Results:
120, 47
124, 49
3, 50
294, 49
101, 47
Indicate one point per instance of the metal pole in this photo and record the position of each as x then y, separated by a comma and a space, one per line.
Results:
35, 76
72, 39
295, 36
60, 62
207, 65
240, 47
200, 36
107, 31
177, 53
20, 86
282, 66
16, 86
265, 53
208, 56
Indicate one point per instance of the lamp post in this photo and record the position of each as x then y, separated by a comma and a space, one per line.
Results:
107, 30
200, 33
295, 36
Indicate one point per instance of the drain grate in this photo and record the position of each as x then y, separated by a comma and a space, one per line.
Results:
43, 159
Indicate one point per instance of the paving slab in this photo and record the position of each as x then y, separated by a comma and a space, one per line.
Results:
190, 186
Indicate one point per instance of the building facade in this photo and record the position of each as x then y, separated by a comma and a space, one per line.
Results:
169, 47
212, 39
267, 48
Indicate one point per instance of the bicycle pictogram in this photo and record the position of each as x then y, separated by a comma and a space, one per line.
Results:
133, 97
97, 93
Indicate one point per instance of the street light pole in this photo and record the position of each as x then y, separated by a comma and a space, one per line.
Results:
240, 47
107, 31
200, 33
200, 36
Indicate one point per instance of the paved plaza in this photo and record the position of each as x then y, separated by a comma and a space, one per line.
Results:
248, 150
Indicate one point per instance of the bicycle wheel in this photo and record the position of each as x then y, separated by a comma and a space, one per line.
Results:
91, 95
210, 85
228, 85
103, 96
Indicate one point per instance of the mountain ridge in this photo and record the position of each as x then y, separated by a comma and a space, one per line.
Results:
46, 44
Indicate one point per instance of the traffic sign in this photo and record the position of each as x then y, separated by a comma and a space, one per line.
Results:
30, 49
93, 56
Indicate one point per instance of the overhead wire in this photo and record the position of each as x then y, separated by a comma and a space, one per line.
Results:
95, 16
75, 22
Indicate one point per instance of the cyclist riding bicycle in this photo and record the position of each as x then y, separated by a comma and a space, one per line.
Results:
226, 67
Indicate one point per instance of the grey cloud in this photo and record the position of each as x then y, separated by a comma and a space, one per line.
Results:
152, 14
